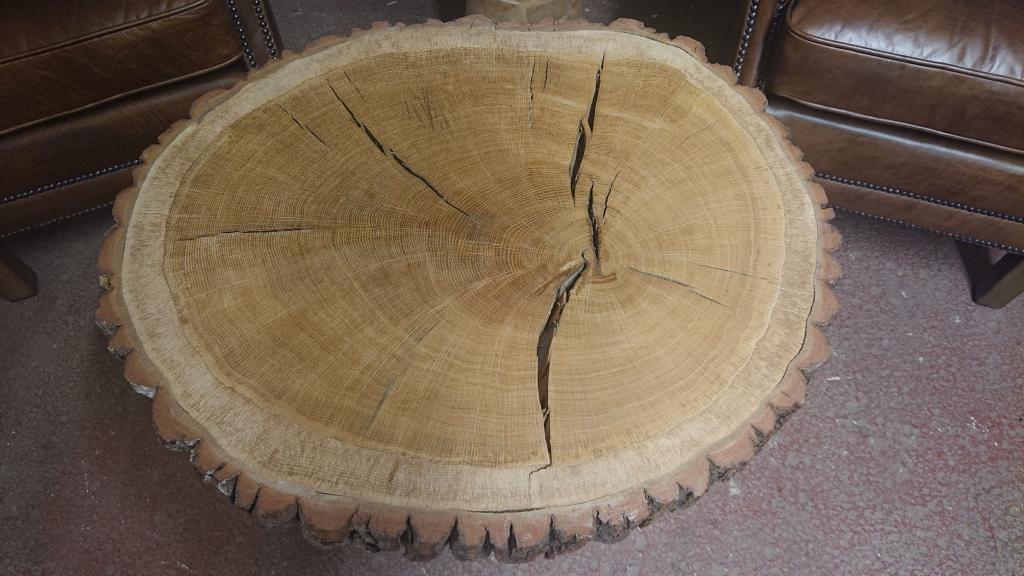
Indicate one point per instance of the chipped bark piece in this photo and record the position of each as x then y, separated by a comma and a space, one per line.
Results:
469, 539
526, 538
627, 25
325, 521
764, 421
205, 102
546, 24
427, 535
170, 428
818, 194
110, 254
206, 459
486, 278
616, 520
826, 305
274, 507
729, 459
816, 352
141, 374
693, 477
379, 528
830, 237
695, 48
107, 317
121, 342
792, 391
667, 495
246, 492
570, 530
831, 270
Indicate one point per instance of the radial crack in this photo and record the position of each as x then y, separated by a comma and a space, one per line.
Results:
277, 230
608, 195
529, 92
678, 283
580, 148
358, 91
427, 183
304, 127
593, 100
390, 152
731, 271
369, 133
544, 341
577, 160
595, 230
380, 404
414, 341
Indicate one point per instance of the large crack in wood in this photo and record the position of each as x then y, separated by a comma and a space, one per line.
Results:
529, 94
358, 91
390, 152
304, 127
427, 183
544, 341
357, 122
608, 195
731, 271
582, 131
677, 283
595, 230
591, 114
277, 230
577, 160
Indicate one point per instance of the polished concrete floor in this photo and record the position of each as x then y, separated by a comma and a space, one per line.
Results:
907, 459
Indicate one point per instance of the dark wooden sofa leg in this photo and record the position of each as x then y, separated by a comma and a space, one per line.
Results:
992, 285
17, 280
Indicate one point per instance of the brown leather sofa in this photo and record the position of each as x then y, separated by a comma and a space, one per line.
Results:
910, 111
87, 85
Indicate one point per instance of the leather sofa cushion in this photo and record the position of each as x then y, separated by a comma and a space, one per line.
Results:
903, 161
951, 67
911, 177
62, 56
103, 138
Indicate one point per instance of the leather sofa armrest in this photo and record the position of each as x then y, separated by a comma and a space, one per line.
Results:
254, 22
761, 23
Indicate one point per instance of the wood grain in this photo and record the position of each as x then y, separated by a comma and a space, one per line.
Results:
507, 289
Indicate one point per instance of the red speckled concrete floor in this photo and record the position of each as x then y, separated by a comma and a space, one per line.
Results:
907, 459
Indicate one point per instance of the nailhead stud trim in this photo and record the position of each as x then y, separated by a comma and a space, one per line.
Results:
69, 181
921, 197
748, 30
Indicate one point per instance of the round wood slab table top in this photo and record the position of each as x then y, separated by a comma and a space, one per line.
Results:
503, 289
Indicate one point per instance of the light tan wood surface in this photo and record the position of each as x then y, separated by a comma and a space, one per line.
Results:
491, 287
